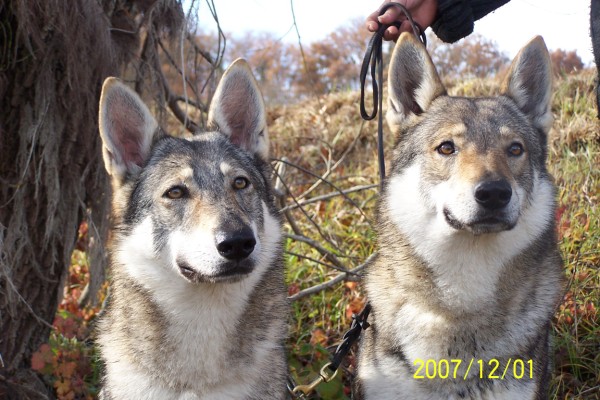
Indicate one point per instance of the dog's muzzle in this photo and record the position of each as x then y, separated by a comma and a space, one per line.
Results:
493, 198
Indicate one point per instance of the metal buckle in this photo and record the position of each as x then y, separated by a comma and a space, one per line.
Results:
324, 376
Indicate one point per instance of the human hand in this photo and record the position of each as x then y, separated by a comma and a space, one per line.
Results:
423, 13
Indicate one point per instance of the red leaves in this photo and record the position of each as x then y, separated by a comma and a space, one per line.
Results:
66, 361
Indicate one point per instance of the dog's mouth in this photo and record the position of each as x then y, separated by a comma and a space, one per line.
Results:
231, 271
490, 223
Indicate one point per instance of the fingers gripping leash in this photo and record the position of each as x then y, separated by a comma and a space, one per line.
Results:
374, 58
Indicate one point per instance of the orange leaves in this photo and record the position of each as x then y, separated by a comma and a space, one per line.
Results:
565, 62
573, 309
293, 288
42, 358
66, 361
318, 337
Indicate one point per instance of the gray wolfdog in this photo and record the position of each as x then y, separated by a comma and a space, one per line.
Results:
197, 306
468, 273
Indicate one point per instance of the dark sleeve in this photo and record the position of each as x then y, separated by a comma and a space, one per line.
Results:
456, 18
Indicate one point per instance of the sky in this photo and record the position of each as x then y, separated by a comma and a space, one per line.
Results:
511, 26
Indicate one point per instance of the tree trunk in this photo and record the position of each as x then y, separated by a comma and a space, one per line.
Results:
54, 56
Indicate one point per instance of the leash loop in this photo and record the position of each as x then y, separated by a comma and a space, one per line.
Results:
374, 59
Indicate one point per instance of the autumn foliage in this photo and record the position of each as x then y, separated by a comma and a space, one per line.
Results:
565, 61
68, 360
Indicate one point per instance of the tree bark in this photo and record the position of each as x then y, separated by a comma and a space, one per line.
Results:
54, 56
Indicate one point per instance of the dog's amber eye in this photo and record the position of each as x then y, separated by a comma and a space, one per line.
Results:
176, 192
516, 149
446, 148
240, 183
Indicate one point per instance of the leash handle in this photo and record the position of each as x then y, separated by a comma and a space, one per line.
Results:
374, 47
374, 59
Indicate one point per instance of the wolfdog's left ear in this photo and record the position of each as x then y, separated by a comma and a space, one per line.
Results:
529, 83
238, 110
413, 82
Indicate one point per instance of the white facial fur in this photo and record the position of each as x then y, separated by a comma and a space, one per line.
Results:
456, 195
465, 266
211, 311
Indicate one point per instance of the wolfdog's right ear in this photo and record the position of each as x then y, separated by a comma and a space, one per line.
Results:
413, 82
127, 129
238, 110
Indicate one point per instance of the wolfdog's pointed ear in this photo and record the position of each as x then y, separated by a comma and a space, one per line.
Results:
529, 83
413, 82
238, 110
127, 129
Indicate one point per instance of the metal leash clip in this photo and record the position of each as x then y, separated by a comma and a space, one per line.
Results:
324, 377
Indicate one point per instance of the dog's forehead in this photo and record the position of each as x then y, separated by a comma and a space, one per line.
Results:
477, 119
203, 156
203, 149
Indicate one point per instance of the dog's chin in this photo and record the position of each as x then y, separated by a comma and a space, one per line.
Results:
228, 272
482, 225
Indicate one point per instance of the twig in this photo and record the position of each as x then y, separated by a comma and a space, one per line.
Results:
29, 308
206, 55
280, 187
324, 252
299, 39
289, 216
317, 261
332, 282
323, 177
340, 191
337, 163
184, 98
329, 196
200, 106
171, 99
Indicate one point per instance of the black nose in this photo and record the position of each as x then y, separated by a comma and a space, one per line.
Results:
236, 245
493, 195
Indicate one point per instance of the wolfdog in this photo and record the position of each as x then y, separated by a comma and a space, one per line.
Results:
197, 306
468, 273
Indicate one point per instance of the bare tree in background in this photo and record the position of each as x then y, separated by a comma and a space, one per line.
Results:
473, 56
54, 56
565, 61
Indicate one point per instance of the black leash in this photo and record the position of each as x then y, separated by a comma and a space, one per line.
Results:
374, 57
329, 370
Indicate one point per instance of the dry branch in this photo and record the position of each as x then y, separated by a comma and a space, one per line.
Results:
346, 276
329, 196
322, 250
340, 191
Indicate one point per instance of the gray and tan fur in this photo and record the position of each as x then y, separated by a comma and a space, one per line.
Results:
468, 265
197, 306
